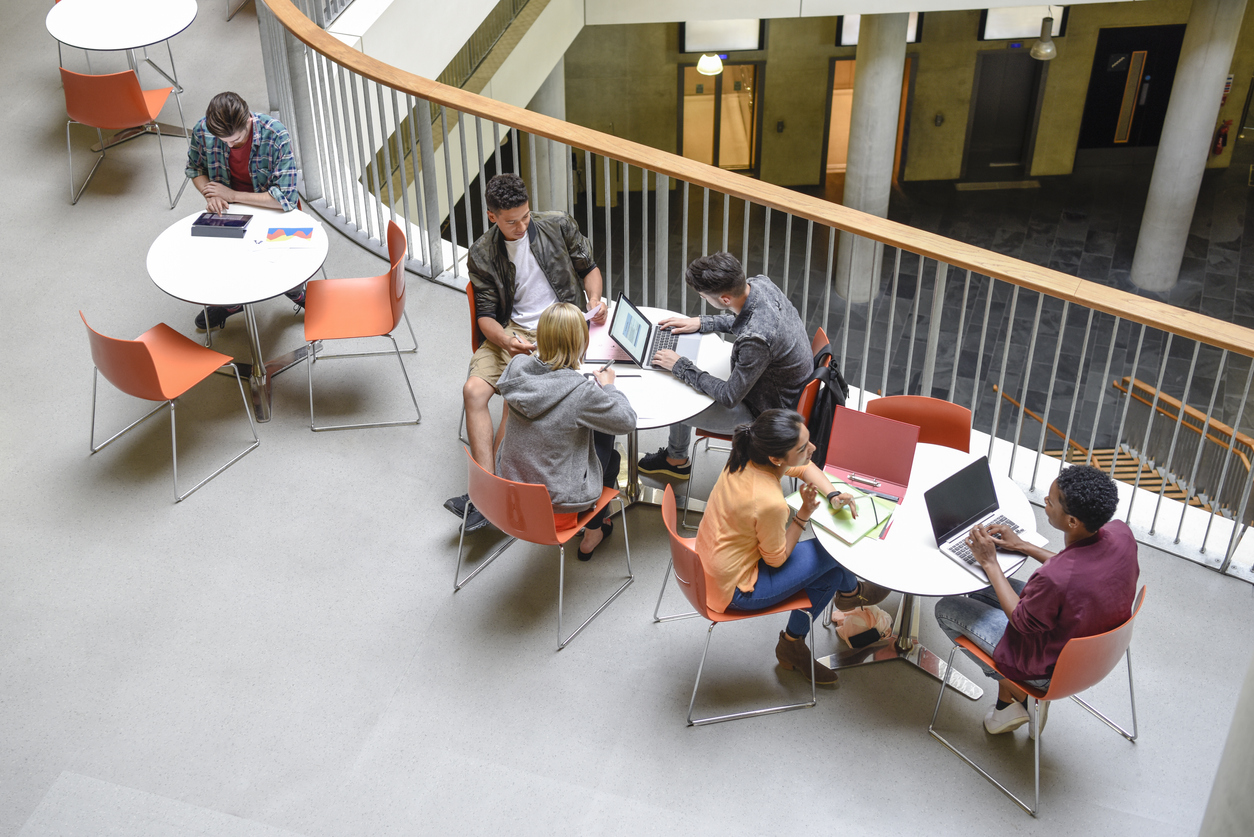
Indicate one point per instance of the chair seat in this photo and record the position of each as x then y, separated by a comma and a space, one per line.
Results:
798, 602
710, 434
181, 363
564, 535
156, 99
967, 645
337, 309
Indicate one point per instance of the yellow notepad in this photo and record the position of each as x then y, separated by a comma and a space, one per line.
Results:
842, 523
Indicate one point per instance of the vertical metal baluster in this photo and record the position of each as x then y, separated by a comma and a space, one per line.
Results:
1149, 424
496, 149
387, 162
927, 377
515, 141
1075, 388
400, 155
892, 315
483, 174
787, 248
683, 253
1201, 445
744, 239
352, 206
318, 93
827, 281
766, 244
369, 159
662, 240
1005, 359
1239, 512
726, 220
1136, 362
567, 151
448, 179
1101, 392
466, 208
705, 229
870, 318
644, 236
609, 241
429, 187
805, 277
1027, 378
962, 322
626, 173
411, 115
533, 175
979, 355
844, 332
914, 322
1049, 396
1175, 435
1238, 525
589, 174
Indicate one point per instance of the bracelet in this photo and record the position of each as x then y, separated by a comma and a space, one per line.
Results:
802, 522
834, 493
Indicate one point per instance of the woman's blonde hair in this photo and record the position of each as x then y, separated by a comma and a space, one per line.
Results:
562, 336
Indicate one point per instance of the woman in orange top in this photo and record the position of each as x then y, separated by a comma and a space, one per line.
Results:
753, 555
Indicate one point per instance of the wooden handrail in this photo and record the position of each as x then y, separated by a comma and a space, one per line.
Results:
1239, 439
1071, 443
1033, 277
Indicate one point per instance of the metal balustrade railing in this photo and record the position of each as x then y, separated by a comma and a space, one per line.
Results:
928, 315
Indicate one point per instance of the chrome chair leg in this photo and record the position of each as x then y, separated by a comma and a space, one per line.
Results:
670, 564
92, 440
178, 498
74, 196
309, 364
561, 582
458, 582
1131, 736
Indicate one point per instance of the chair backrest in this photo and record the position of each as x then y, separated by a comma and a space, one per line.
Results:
476, 336
396, 254
689, 574
519, 509
939, 422
112, 102
820, 340
1085, 661
805, 404
127, 364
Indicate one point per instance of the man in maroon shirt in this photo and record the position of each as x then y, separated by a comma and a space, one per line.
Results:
1085, 589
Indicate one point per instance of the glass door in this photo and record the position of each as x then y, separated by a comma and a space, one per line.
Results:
719, 117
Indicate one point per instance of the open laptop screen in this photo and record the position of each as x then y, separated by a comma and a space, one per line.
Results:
960, 500
630, 329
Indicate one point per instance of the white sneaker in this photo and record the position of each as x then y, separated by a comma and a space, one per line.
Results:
1011, 718
1042, 715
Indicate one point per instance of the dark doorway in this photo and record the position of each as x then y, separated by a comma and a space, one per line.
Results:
1133, 70
1003, 115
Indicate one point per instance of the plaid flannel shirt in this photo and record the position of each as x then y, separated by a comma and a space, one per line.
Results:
270, 162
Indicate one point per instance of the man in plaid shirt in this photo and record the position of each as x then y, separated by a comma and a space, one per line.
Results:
237, 156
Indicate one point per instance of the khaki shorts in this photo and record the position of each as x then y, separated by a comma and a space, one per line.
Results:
490, 360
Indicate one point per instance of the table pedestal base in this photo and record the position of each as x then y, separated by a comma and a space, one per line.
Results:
162, 128
259, 373
644, 494
904, 645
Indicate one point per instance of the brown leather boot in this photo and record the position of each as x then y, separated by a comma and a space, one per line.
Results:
866, 593
794, 654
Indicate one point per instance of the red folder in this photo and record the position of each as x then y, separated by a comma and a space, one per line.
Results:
873, 449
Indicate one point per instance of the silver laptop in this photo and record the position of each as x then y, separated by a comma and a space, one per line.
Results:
963, 501
641, 339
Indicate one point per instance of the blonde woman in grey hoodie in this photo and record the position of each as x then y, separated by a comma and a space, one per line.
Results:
562, 424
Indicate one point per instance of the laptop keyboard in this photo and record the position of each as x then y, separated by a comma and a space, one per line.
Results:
960, 548
665, 339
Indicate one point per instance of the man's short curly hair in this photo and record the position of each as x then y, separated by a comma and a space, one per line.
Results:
1088, 495
717, 273
505, 191
227, 114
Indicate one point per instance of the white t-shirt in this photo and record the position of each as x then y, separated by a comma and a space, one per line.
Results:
532, 291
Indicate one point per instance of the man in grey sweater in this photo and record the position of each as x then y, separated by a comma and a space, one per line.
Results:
771, 360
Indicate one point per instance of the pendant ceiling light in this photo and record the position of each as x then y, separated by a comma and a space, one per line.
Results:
1044, 49
710, 65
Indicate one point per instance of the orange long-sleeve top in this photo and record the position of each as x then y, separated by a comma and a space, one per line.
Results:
746, 520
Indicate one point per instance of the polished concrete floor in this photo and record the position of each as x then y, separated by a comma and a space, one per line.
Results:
283, 654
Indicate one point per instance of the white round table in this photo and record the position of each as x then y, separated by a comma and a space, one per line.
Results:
240, 271
908, 560
108, 25
660, 399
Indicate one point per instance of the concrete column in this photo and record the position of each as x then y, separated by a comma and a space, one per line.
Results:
1205, 57
548, 186
881, 60
1231, 807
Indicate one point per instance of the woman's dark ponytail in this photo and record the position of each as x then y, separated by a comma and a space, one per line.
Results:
773, 433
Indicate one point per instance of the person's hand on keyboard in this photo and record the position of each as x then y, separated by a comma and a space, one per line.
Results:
984, 548
664, 359
1007, 538
681, 325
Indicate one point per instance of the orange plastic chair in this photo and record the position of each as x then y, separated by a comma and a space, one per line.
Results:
939, 422
115, 102
476, 340
345, 309
524, 512
690, 576
159, 365
1083, 663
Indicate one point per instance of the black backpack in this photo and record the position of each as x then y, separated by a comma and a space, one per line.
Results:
833, 391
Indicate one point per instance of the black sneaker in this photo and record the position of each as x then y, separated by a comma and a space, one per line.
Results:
217, 317
474, 518
298, 302
655, 463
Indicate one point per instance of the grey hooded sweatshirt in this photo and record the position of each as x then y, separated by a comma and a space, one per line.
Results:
548, 439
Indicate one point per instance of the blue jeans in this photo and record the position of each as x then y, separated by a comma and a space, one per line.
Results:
978, 616
715, 418
809, 568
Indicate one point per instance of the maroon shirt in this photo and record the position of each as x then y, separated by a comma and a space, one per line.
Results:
1084, 590
237, 161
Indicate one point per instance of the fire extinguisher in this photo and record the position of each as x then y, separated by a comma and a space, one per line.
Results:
1221, 138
